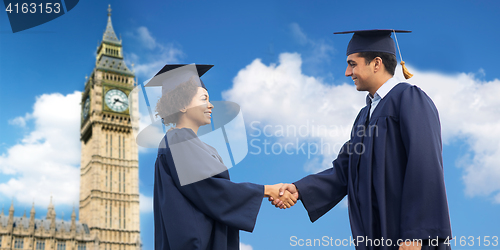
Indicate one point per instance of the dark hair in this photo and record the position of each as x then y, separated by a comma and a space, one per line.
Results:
389, 60
170, 103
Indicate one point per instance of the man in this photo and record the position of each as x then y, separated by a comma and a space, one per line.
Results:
391, 169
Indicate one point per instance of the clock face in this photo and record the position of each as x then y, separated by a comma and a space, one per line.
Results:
86, 108
116, 100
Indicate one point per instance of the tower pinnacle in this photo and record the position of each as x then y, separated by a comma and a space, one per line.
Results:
109, 34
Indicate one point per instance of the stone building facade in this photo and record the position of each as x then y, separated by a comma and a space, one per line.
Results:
48, 233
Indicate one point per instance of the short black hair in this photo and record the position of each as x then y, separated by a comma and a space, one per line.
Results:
389, 60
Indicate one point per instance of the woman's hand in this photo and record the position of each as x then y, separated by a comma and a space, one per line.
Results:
273, 191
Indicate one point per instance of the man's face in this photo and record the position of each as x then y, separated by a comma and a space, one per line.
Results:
360, 73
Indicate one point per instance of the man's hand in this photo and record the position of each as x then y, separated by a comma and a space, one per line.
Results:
284, 189
286, 199
410, 245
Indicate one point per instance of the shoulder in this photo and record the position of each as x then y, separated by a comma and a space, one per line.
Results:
404, 91
413, 93
399, 88
179, 135
188, 138
414, 102
175, 136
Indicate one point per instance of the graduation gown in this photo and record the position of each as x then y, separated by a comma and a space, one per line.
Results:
206, 214
392, 173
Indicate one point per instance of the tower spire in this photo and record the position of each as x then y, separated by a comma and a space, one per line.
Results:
50, 209
73, 214
32, 212
73, 221
109, 34
10, 222
11, 209
110, 53
32, 217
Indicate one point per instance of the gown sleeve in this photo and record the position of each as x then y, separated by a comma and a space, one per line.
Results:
322, 191
424, 207
233, 204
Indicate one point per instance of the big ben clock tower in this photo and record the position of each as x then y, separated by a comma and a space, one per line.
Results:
109, 177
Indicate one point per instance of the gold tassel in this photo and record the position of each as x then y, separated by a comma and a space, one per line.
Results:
406, 73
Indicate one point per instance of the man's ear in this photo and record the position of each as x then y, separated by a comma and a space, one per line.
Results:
183, 110
377, 61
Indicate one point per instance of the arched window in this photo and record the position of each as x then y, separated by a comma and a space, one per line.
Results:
119, 181
106, 213
61, 245
18, 243
111, 215
111, 180
119, 147
124, 219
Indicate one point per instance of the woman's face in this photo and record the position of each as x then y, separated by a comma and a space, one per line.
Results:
199, 110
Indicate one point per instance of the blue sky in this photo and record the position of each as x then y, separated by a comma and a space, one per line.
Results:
452, 51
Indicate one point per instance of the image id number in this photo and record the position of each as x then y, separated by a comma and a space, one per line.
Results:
34, 8
472, 241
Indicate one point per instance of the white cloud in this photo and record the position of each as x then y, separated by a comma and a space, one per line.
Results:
245, 247
46, 161
497, 198
298, 34
481, 72
281, 95
145, 204
20, 120
159, 54
468, 108
319, 50
146, 38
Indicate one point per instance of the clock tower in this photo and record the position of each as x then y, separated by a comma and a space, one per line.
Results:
109, 173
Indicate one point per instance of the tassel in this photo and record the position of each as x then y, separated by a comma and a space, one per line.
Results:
406, 73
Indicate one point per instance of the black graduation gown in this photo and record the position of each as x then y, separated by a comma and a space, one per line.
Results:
392, 173
207, 214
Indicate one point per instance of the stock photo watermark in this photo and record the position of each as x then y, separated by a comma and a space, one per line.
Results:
308, 139
327, 241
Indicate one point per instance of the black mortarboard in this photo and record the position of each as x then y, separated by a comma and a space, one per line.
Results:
377, 40
171, 75
372, 40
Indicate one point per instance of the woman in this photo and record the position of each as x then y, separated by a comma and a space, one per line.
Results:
196, 212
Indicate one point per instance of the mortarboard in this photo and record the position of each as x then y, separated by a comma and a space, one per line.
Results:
171, 75
377, 40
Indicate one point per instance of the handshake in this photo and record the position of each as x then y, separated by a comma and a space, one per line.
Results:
282, 195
